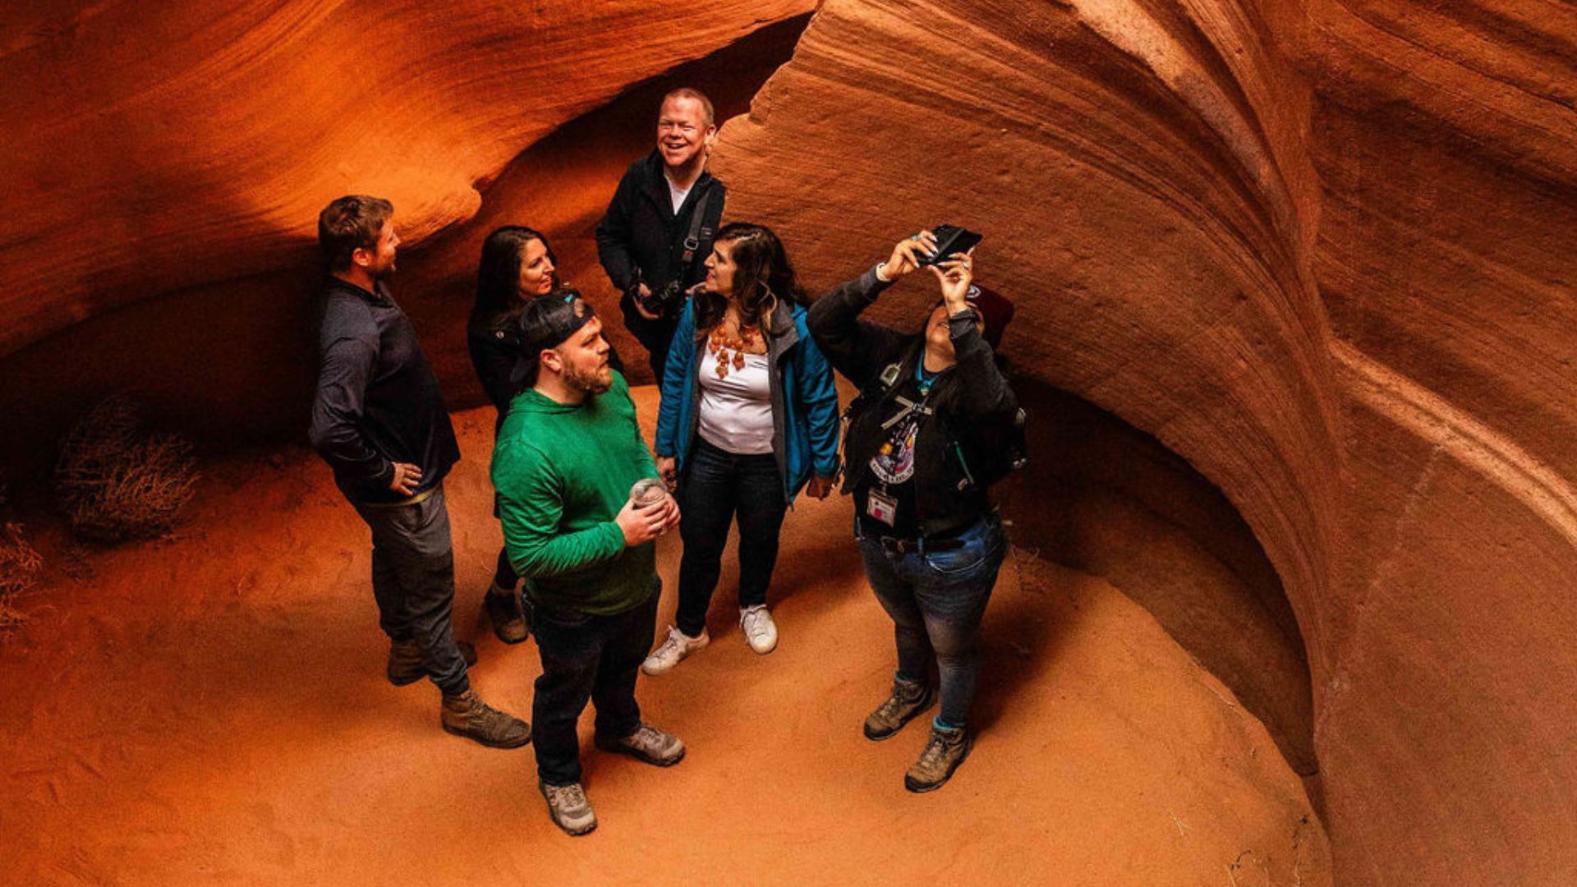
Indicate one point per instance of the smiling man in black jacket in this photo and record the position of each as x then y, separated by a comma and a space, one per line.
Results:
659, 226
380, 422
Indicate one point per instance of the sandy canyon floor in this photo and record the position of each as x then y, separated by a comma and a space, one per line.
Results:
211, 709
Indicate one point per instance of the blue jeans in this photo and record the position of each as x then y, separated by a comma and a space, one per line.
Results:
717, 485
936, 599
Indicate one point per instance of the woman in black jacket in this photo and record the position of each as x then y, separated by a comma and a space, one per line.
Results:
517, 266
918, 465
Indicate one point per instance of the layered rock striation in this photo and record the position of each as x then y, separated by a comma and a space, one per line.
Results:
1320, 249
1324, 252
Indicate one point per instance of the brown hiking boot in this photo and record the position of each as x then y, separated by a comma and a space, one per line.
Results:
407, 665
943, 753
647, 744
502, 607
908, 699
467, 715
569, 807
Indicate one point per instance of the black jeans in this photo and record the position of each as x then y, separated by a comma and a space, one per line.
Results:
504, 576
584, 658
717, 485
413, 582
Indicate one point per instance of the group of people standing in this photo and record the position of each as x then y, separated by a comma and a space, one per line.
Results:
748, 420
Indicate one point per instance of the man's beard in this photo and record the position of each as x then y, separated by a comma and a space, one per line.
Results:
590, 383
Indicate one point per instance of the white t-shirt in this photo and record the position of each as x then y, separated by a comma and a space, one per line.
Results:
736, 412
677, 194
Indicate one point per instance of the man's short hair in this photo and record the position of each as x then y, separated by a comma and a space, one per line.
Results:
685, 92
350, 223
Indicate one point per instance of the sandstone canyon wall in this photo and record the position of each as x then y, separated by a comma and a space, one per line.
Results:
164, 168
1322, 250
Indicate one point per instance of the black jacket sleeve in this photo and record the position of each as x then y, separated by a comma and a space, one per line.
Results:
977, 373
856, 348
614, 233
337, 410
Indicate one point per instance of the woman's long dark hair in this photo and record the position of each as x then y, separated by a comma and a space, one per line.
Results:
498, 274
763, 277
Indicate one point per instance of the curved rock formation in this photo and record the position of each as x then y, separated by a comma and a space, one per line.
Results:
1322, 249
1323, 252
154, 148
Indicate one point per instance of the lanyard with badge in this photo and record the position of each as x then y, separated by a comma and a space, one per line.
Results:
881, 505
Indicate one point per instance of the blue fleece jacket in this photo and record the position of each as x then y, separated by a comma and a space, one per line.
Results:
804, 399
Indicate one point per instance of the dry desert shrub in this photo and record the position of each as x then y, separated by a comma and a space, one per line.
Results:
19, 568
115, 481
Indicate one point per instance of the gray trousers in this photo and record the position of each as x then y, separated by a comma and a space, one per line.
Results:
413, 582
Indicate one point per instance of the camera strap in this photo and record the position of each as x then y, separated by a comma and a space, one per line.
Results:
692, 240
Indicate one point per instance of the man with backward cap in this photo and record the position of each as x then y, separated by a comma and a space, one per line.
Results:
569, 466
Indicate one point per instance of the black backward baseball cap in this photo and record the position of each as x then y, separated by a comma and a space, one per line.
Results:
545, 323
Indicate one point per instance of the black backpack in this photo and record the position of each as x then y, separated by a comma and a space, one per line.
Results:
996, 446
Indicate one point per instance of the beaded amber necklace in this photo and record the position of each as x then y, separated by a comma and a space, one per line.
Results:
720, 343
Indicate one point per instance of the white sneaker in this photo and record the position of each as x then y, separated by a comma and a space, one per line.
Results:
760, 631
677, 646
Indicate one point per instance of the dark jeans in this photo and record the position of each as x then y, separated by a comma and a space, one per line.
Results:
413, 582
936, 599
504, 576
585, 658
716, 486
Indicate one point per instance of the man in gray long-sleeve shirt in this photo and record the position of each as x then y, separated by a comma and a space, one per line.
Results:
380, 422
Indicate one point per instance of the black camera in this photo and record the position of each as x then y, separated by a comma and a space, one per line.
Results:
950, 241
660, 300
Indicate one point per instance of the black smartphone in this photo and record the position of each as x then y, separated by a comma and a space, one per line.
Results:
951, 240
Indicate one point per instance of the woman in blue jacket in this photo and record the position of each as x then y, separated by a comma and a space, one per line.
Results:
749, 417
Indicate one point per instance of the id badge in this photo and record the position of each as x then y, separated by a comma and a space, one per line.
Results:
881, 507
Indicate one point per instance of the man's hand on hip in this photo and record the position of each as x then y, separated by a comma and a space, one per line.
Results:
407, 478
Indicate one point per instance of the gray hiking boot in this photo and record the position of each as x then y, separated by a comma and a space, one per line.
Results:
908, 699
569, 807
407, 665
467, 715
647, 744
943, 753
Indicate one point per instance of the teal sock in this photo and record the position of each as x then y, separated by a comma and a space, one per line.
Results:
940, 724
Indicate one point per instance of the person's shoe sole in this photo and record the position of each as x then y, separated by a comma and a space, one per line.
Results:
921, 788
490, 743
930, 700
619, 748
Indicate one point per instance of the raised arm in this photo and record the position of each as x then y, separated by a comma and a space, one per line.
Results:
856, 348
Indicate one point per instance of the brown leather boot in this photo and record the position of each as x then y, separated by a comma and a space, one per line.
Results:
467, 715
908, 699
943, 753
502, 608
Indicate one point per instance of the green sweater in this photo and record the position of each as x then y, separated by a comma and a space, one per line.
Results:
562, 472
